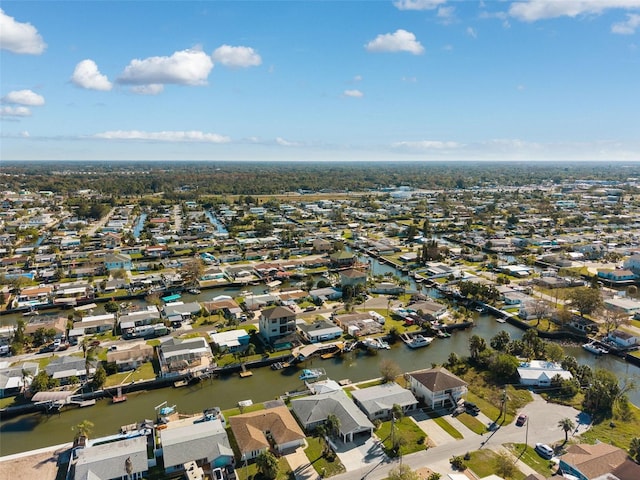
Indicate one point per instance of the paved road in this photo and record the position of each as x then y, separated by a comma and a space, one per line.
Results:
543, 428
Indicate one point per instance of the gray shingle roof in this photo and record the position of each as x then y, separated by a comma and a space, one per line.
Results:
383, 397
194, 442
109, 460
317, 408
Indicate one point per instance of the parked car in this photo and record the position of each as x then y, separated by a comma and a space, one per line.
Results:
544, 450
217, 474
522, 419
471, 408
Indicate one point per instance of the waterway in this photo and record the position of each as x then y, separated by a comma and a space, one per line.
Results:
39, 430
139, 226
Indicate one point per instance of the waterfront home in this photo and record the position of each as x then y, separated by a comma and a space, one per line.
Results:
387, 288
326, 293
628, 306
276, 323
428, 309
313, 411
342, 258
231, 340
149, 315
14, 379
131, 356
187, 440
179, 356
539, 373
126, 458
622, 339
437, 387
357, 324
318, 331
259, 431
178, 311
352, 277
224, 305
602, 460
320, 245
34, 296
57, 324
256, 302
67, 368
95, 324
617, 276
377, 402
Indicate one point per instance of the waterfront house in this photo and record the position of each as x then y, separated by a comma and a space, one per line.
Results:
231, 340
57, 324
180, 356
622, 339
68, 367
387, 288
342, 258
617, 276
357, 324
188, 440
377, 402
126, 458
259, 431
352, 277
34, 296
225, 305
326, 293
428, 309
181, 311
95, 324
14, 379
586, 462
437, 387
321, 245
313, 411
628, 306
276, 323
131, 356
539, 373
318, 331
141, 317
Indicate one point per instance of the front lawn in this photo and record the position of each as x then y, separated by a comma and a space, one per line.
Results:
618, 430
412, 438
531, 458
472, 423
250, 472
485, 463
447, 427
325, 465
144, 372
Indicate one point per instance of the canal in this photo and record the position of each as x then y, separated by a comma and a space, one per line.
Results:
39, 430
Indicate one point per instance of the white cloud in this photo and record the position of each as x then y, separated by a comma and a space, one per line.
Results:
236, 57
166, 136
86, 75
627, 27
19, 37
418, 4
186, 67
426, 145
15, 112
410, 79
357, 78
532, 10
286, 143
353, 93
400, 41
24, 97
447, 14
471, 32
152, 89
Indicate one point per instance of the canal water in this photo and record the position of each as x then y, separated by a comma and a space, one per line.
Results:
39, 430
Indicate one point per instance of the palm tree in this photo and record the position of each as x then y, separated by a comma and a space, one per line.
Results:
634, 449
83, 429
566, 424
267, 464
332, 424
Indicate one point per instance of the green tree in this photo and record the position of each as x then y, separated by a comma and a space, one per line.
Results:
402, 472
566, 424
267, 465
111, 306
477, 345
505, 466
332, 424
634, 449
99, 378
389, 370
83, 429
601, 393
504, 366
500, 340
585, 299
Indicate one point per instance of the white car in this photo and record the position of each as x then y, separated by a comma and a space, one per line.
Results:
544, 450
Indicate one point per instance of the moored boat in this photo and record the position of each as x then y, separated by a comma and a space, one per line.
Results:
595, 348
417, 341
311, 373
375, 343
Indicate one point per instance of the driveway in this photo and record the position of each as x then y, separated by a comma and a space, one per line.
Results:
300, 465
360, 454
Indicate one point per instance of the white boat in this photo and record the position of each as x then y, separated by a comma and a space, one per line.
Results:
194, 291
311, 373
418, 341
595, 348
375, 343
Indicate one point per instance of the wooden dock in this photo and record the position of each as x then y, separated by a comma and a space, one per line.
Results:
119, 397
245, 373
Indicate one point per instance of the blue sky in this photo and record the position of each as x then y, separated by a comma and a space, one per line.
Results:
320, 80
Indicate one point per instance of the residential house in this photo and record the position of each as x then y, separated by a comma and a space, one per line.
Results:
628, 306
276, 323
321, 245
34, 296
617, 276
14, 379
118, 459
130, 357
587, 462
117, 261
429, 309
357, 324
231, 340
58, 324
178, 356
539, 373
318, 331
259, 431
205, 442
95, 323
68, 367
342, 258
141, 317
622, 339
352, 277
437, 387
179, 311
225, 305
377, 402
387, 288
313, 411
326, 293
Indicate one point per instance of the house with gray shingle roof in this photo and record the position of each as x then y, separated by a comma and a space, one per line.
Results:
437, 386
204, 443
63, 368
378, 401
111, 460
313, 411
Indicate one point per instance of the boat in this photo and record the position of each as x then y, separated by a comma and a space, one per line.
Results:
311, 373
277, 366
418, 341
442, 334
194, 291
501, 320
594, 348
375, 343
